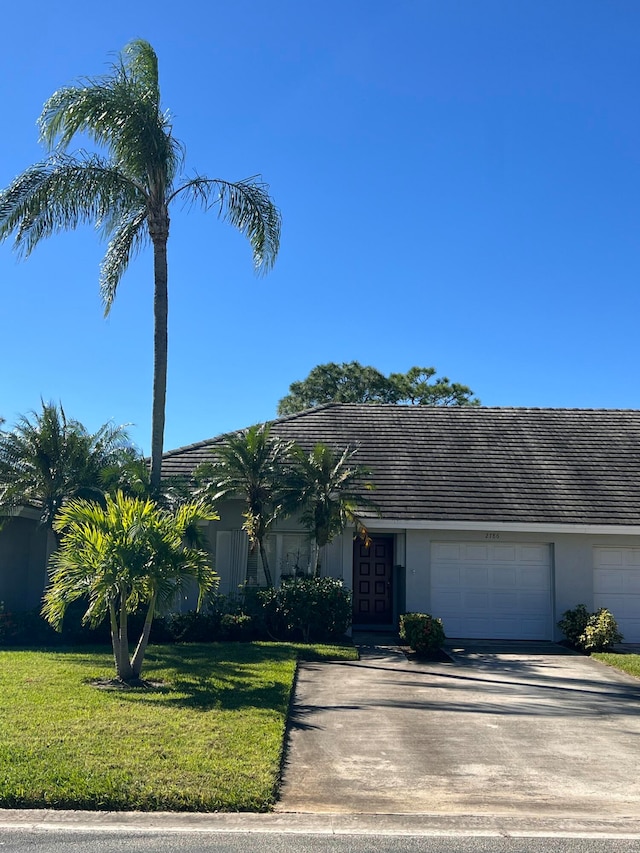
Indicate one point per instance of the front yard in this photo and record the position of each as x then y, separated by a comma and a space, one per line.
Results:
207, 736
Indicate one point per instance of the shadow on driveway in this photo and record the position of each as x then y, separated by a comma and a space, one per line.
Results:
499, 729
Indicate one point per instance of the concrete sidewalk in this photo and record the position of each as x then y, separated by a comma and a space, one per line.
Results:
428, 825
526, 732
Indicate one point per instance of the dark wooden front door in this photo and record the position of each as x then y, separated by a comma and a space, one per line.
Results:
373, 581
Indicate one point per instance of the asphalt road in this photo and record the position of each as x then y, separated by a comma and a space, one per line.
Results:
37, 841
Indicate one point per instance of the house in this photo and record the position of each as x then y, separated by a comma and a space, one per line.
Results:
497, 520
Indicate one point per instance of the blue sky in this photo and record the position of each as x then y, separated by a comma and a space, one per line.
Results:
459, 183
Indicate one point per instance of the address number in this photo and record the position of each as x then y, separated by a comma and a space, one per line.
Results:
492, 536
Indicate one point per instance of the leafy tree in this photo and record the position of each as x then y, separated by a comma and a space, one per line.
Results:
249, 464
124, 555
328, 489
47, 459
128, 192
352, 383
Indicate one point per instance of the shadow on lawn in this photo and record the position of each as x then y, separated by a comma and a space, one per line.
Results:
221, 677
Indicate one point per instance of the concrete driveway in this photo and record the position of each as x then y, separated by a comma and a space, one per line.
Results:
524, 729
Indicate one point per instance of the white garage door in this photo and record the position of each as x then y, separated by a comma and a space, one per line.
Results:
492, 590
616, 586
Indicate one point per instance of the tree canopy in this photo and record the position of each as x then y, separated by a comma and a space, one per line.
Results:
121, 556
47, 459
351, 382
250, 464
276, 479
327, 487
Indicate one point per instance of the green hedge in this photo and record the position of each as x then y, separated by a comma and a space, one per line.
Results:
422, 632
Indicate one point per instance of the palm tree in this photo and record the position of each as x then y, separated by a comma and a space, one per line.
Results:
121, 556
47, 459
328, 489
249, 464
128, 192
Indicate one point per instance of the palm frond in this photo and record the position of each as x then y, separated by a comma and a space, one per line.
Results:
247, 206
121, 112
60, 194
48, 458
129, 236
140, 62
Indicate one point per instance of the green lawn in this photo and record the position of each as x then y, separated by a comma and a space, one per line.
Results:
627, 663
209, 737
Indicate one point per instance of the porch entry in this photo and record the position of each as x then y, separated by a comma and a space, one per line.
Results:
373, 581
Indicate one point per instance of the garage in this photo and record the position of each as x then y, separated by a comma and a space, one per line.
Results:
492, 590
616, 586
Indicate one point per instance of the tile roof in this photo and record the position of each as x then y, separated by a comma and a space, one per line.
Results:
562, 466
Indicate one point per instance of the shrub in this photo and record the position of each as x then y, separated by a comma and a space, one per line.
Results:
26, 628
315, 608
192, 627
236, 626
573, 624
423, 632
601, 632
590, 632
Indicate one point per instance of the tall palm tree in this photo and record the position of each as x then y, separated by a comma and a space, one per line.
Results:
47, 459
128, 192
328, 489
120, 556
249, 464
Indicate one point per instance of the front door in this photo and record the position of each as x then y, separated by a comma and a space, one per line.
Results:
373, 581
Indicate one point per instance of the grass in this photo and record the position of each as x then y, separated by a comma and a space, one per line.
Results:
208, 738
628, 663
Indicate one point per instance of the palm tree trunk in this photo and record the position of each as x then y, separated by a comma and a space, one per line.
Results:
115, 638
265, 563
159, 231
125, 671
138, 656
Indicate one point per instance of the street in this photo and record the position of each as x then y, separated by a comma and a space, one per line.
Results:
57, 841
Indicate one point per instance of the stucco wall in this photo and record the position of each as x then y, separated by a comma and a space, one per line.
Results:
571, 564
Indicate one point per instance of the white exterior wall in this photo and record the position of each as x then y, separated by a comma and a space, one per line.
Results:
572, 557
572, 563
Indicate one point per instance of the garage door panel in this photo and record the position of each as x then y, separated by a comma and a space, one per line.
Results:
622, 606
446, 551
445, 575
503, 553
474, 576
616, 584
536, 600
505, 602
505, 577
444, 601
475, 602
475, 553
533, 577
608, 581
534, 554
505, 595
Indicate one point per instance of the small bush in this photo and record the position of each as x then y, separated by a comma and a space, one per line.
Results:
590, 632
237, 626
601, 632
423, 632
316, 609
573, 624
192, 627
